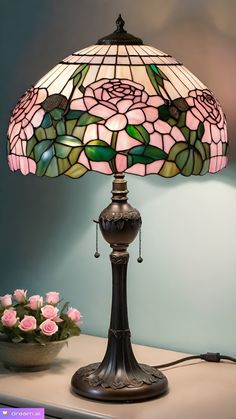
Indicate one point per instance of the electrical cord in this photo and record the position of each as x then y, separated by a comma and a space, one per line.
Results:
208, 356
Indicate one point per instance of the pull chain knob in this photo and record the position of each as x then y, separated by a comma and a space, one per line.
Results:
96, 254
140, 259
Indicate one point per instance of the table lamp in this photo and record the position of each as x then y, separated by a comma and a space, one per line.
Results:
118, 107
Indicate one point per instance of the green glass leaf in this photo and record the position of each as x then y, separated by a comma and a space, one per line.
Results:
200, 130
87, 119
193, 137
151, 75
154, 68
70, 125
73, 114
30, 145
169, 169
146, 154
205, 167
63, 165
198, 162
182, 120
79, 75
155, 153
68, 140
98, 150
76, 171
164, 112
182, 158
47, 121
60, 127
186, 132
138, 132
74, 154
50, 133
201, 149
172, 121
188, 168
78, 132
43, 163
62, 150
176, 149
40, 134
207, 150
52, 170
224, 149
40, 148
57, 113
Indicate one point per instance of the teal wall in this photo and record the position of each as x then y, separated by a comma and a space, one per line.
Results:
183, 295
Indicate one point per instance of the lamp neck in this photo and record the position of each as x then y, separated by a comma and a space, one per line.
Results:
119, 188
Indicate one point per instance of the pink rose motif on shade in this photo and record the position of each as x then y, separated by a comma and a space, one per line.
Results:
26, 116
20, 295
28, 324
74, 314
52, 297
9, 318
48, 327
204, 108
35, 302
118, 102
49, 312
6, 300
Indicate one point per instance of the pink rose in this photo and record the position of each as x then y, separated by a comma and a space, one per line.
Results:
28, 324
35, 302
20, 295
49, 312
9, 318
27, 115
48, 327
52, 297
204, 108
6, 300
73, 314
118, 102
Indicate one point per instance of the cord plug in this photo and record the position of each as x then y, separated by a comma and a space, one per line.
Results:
211, 356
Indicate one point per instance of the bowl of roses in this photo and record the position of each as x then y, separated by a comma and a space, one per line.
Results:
34, 329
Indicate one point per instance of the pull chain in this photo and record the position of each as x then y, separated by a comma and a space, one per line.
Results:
140, 259
96, 254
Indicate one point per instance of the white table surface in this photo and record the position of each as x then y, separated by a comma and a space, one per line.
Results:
197, 390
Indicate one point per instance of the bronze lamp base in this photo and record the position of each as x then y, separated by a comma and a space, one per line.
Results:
119, 377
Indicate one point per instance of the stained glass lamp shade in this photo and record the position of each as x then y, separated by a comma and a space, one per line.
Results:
118, 107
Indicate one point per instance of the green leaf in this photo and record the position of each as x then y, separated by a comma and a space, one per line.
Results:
201, 149
200, 130
182, 158
164, 112
188, 168
40, 134
52, 170
73, 114
146, 154
63, 165
57, 113
61, 128
47, 121
74, 154
44, 162
87, 119
205, 167
68, 140
138, 132
186, 132
79, 75
62, 150
198, 163
76, 171
30, 145
98, 150
40, 148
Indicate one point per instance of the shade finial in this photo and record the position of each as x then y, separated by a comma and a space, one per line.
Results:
120, 23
